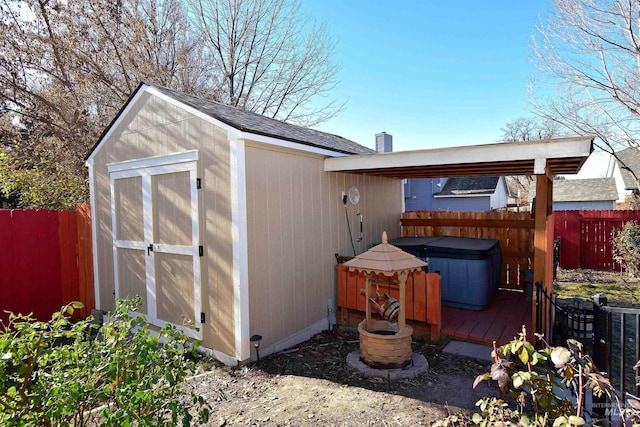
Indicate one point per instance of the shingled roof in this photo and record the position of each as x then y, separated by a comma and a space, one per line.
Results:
582, 190
629, 158
248, 121
470, 186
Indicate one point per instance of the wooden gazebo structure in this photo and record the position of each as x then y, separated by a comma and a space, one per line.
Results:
543, 158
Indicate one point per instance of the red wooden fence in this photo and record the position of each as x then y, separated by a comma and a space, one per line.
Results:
585, 237
45, 261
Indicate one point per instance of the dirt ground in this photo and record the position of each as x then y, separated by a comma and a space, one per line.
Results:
595, 277
311, 384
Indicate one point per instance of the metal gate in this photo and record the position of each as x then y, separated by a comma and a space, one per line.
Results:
611, 335
616, 347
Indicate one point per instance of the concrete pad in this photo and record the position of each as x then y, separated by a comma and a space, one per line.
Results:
418, 365
468, 349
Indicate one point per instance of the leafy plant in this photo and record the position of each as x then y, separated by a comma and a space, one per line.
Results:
535, 381
626, 247
60, 373
45, 185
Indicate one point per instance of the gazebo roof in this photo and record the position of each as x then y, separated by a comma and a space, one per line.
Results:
385, 258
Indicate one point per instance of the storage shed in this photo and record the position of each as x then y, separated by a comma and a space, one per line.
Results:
227, 219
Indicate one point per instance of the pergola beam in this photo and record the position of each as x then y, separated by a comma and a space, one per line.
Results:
559, 156
544, 159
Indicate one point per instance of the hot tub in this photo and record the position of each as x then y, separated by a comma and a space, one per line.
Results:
471, 269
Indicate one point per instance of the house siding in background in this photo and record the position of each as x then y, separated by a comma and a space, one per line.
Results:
585, 206
418, 193
462, 194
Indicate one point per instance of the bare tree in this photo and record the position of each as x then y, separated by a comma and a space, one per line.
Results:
68, 66
589, 51
529, 129
269, 58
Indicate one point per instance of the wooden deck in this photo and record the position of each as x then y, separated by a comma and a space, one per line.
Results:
500, 321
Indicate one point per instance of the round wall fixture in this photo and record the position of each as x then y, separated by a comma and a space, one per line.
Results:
354, 195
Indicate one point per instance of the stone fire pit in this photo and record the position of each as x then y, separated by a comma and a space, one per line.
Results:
383, 344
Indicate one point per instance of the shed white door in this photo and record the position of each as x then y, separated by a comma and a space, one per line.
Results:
154, 205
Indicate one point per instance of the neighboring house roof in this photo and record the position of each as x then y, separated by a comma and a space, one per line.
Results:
248, 121
582, 190
469, 186
629, 158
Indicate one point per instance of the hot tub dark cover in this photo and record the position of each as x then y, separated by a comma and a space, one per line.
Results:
471, 269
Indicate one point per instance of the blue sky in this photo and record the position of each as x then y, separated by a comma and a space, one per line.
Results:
430, 73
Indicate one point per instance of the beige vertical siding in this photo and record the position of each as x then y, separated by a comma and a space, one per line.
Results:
128, 202
296, 223
132, 276
154, 127
174, 287
172, 225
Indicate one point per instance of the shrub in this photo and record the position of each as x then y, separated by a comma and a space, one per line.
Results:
534, 380
626, 247
60, 373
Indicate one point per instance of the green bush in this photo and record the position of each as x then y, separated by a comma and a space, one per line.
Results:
47, 185
626, 247
62, 373
534, 380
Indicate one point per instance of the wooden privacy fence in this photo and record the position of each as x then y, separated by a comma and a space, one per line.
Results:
585, 237
45, 261
422, 295
514, 230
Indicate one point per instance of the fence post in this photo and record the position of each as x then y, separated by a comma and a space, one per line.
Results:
599, 331
543, 304
536, 327
600, 349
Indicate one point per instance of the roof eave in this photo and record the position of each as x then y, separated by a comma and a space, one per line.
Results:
554, 156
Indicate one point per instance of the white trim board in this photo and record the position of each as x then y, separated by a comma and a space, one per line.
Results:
538, 151
240, 247
461, 196
154, 161
94, 237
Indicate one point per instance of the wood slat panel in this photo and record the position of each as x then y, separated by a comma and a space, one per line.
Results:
468, 222
423, 297
514, 230
585, 237
420, 300
85, 259
42, 261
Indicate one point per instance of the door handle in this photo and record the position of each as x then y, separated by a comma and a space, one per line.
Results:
150, 249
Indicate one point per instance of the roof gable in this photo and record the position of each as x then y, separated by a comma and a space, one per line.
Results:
246, 121
630, 157
470, 186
